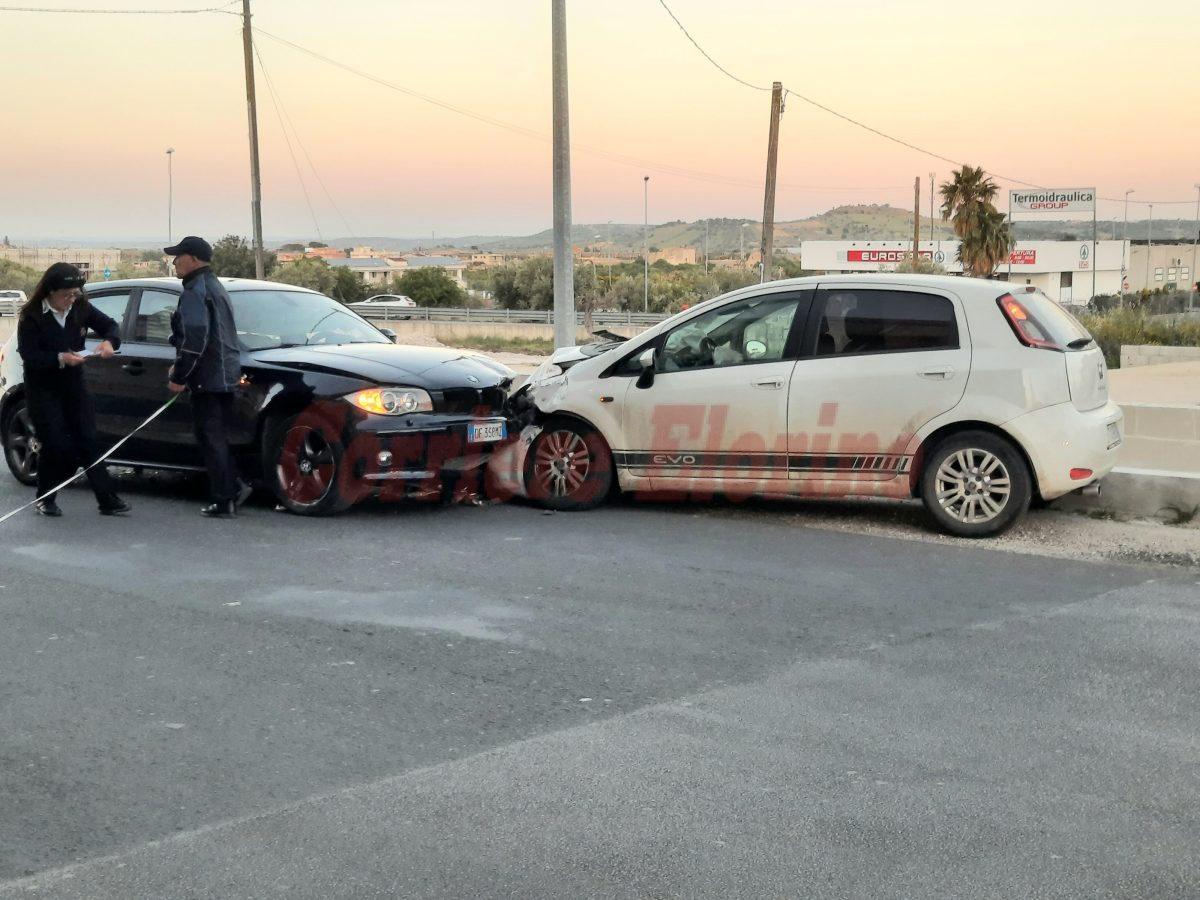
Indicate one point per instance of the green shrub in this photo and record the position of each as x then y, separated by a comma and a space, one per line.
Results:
1135, 326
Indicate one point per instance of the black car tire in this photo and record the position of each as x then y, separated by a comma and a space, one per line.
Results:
20, 444
975, 484
303, 463
568, 467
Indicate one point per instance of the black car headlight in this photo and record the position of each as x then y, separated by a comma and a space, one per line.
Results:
392, 401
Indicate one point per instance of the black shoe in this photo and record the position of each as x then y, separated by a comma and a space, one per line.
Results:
222, 509
47, 508
112, 505
243, 494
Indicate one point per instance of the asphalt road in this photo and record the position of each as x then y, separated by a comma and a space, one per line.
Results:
641, 701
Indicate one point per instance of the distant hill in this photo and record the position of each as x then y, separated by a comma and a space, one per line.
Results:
862, 222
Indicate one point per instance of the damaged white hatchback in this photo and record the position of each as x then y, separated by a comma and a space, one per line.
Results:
975, 396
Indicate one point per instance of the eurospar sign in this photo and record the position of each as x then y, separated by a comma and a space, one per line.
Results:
1053, 200
884, 256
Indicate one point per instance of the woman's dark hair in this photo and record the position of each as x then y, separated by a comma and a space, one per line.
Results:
60, 275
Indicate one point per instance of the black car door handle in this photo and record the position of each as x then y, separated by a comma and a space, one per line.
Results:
134, 368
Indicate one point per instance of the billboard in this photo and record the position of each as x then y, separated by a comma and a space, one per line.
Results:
1053, 200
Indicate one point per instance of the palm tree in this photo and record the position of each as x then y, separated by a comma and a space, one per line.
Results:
987, 245
985, 235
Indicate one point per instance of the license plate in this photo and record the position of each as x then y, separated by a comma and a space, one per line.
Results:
487, 433
1114, 435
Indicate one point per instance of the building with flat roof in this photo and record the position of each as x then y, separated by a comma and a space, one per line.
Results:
1066, 271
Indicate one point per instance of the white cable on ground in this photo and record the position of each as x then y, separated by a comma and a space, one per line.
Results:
111, 450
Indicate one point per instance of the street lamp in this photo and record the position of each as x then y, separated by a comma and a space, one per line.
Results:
646, 241
1125, 238
170, 191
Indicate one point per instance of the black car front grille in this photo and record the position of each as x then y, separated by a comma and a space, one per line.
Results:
473, 401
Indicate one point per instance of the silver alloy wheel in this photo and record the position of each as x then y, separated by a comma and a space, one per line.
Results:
562, 462
973, 486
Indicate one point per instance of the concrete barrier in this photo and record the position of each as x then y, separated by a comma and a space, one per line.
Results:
1152, 355
7, 324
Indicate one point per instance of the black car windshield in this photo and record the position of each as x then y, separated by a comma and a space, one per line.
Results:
271, 319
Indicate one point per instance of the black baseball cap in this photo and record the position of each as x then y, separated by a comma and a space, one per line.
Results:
191, 246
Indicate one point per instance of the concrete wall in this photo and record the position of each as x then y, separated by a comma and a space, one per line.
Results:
1151, 355
7, 324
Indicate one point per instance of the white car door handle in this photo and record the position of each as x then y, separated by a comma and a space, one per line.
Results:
770, 384
940, 373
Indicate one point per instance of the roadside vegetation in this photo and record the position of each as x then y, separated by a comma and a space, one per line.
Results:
489, 344
1138, 326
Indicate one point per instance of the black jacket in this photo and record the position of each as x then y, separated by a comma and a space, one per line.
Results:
207, 354
40, 339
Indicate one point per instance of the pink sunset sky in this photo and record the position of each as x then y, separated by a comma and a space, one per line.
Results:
443, 126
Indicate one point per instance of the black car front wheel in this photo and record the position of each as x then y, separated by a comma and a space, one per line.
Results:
21, 446
304, 463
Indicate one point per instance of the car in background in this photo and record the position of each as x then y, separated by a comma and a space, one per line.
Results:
975, 396
392, 306
329, 410
11, 301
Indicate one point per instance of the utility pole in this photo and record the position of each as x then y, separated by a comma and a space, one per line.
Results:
564, 259
931, 174
768, 232
916, 219
646, 242
255, 181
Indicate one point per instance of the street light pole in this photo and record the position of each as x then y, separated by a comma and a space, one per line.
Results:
646, 241
1149, 243
1195, 241
931, 177
170, 191
742, 244
1125, 238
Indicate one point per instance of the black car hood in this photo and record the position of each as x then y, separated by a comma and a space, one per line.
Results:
399, 364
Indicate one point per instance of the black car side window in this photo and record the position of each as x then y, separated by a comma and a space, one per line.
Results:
153, 324
856, 321
112, 305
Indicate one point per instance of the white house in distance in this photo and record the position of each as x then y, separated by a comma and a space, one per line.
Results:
372, 270
452, 264
1067, 271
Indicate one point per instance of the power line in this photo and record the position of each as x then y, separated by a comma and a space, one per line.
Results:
704, 53
119, 12
283, 127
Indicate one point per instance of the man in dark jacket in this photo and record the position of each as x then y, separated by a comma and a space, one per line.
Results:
208, 364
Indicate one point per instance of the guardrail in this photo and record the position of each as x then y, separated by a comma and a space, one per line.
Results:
446, 314
527, 316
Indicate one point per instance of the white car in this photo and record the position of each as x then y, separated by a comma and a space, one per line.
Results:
11, 302
976, 396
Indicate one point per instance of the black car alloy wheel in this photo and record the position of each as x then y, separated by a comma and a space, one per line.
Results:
21, 446
303, 464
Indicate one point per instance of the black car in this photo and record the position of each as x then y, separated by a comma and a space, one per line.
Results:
329, 412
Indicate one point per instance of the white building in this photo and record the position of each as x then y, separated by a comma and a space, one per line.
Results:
1067, 271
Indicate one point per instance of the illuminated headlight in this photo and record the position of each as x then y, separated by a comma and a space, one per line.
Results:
392, 401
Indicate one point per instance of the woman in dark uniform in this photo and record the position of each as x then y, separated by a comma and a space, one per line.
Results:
50, 335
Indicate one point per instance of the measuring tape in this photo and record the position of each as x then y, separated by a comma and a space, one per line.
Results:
111, 450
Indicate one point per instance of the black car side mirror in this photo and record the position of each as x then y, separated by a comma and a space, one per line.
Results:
391, 335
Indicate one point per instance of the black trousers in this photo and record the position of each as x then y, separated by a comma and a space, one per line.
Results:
66, 427
212, 418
